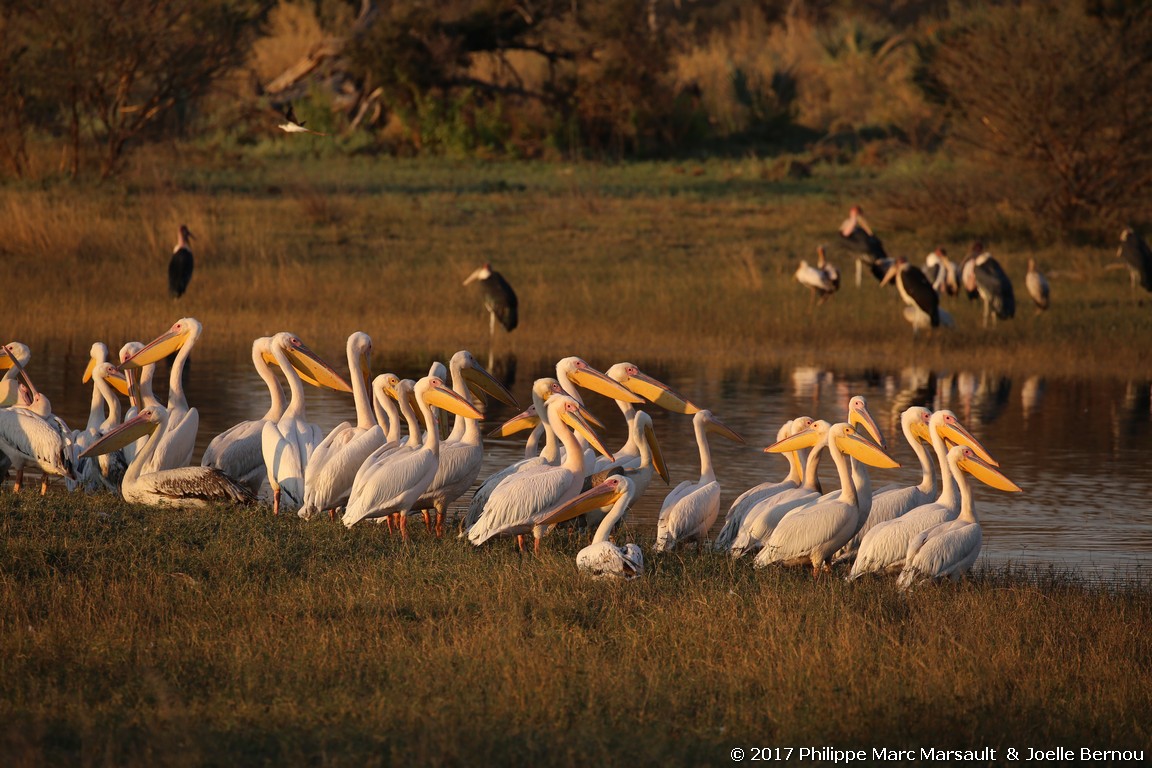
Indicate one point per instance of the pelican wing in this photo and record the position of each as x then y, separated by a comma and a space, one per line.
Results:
605, 560
884, 547
946, 550
331, 472
806, 531
193, 486
25, 437
687, 513
520, 500
393, 485
237, 453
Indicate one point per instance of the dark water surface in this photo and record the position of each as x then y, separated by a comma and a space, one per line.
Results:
1079, 448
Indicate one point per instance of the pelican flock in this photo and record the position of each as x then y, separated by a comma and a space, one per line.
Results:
391, 459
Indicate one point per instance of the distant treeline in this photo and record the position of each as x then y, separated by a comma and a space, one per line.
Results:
1051, 100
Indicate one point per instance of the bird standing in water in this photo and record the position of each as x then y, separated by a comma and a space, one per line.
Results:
181, 264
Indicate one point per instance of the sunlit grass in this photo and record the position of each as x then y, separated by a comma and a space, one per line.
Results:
655, 261
132, 636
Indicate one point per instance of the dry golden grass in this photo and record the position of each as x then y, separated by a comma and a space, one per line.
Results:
653, 261
135, 637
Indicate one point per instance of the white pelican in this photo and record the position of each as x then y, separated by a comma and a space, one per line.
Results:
395, 484
180, 486
738, 511
462, 454
27, 438
893, 502
332, 466
181, 264
763, 519
179, 437
690, 509
237, 451
764, 515
657, 392
813, 534
639, 473
287, 443
949, 549
12, 362
542, 389
140, 394
522, 500
882, 549
106, 472
602, 558
1037, 285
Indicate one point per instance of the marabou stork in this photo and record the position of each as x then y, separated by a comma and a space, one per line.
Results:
180, 265
823, 279
1137, 257
499, 298
1037, 286
981, 275
941, 272
857, 235
916, 291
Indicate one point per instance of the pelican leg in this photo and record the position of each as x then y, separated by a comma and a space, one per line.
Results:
427, 520
536, 546
520, 542
404, 527
276, 502
19, 481
44, 485
440, 514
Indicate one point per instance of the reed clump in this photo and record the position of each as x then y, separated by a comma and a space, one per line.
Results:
135, 636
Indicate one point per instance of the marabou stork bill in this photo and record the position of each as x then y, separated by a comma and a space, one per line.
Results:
181, 264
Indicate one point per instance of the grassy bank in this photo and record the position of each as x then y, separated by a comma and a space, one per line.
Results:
655, 262
131, 637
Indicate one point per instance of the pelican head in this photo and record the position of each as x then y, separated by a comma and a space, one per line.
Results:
433, 391
478, 376
850, 443
803, 437
968, 460
859, 416
144, 423
571, 413
183, 332
577, 371
917, 419
949, 427
709, 423
97, 353
598, 496
649, 388
311, 367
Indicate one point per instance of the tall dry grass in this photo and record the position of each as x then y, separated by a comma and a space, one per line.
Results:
132, 636
658, 262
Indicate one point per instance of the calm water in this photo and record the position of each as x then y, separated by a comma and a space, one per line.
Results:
1078, 448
